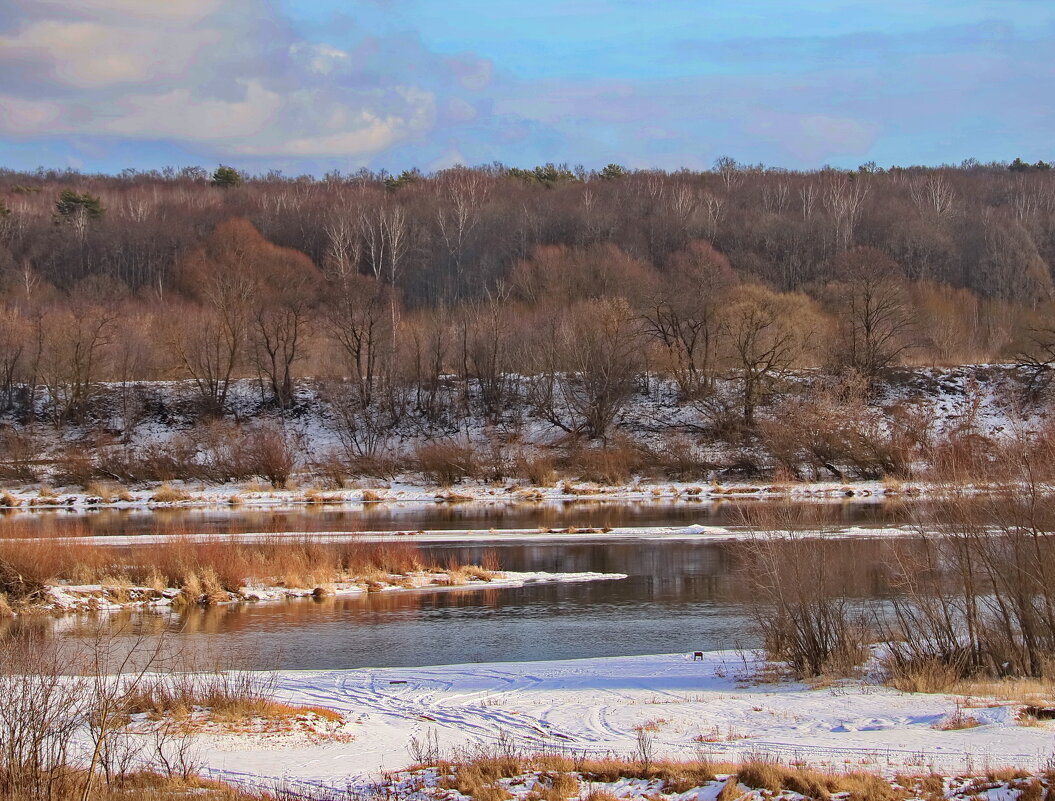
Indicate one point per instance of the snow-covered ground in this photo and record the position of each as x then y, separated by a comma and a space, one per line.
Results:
596, 706
986, 400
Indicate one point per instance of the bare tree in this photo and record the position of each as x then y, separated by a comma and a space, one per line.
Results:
766, 335
357, 315
458, 214
590, 367
844, 197
683, 314
73, 339
873, 311
287, 292
211, 341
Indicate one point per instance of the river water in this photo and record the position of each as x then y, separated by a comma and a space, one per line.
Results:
680, 594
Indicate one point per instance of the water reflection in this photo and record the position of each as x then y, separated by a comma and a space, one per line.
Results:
434, 517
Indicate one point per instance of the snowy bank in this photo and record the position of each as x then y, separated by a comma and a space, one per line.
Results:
597, 707
74, 598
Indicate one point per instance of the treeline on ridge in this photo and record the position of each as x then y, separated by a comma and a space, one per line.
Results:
581, 282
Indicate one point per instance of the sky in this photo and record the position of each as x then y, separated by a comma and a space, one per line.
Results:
310, 86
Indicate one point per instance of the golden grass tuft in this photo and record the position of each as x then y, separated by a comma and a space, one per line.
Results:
730, 790
166, 493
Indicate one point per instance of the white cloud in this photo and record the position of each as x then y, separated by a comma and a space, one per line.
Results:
321, 58
89, 54
179, 114
28, 117
228, 75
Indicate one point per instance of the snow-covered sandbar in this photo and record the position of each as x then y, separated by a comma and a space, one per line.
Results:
71, 598
596, 706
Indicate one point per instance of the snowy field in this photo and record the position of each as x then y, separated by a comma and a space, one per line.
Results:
596, 706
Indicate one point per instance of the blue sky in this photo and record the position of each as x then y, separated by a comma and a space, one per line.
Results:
312, 86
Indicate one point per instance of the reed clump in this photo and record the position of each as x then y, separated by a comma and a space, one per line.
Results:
205, 569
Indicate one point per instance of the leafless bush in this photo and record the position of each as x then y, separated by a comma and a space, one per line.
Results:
537, 468
613, 463
805, 620
40, 713
833, 427
65, 718
18, 455
168, 461
679, 459
446, 462
977, 593
74, 465
270, 453
365, 429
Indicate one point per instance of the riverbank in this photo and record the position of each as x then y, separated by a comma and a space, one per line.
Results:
253, 495
722, 707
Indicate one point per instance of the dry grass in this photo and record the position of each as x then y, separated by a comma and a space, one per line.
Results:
480, 777
652, 725
166, 493
730, 790
561, 776
320, 498
929, 675
142, 786
555, 786
204, 569
108, 493
1024, 691
227, 698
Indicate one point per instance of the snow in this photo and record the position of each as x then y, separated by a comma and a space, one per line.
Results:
986, 399
452, 536
71, 598
410, 493
592, 706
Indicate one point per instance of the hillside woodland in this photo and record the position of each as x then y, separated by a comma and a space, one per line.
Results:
481, 307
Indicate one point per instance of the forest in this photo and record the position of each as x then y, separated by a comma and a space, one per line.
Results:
552, 292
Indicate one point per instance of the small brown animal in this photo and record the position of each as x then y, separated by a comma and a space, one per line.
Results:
697, 655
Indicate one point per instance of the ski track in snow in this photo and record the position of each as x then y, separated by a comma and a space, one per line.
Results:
595, 706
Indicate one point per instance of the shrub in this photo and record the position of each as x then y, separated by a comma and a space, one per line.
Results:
680, 460
18, 454
74, 465
270, 453
832, 427
446, 462
538, 469
615, 463
805, 621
